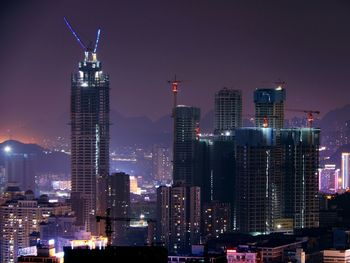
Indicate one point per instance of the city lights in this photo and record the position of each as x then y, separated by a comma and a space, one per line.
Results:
7, 149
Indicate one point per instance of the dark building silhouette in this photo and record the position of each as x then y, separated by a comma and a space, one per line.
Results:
20, 168
186, 124
117, 254
300, 165
119, 203
215, 170
89, 140
216, 218
255, 186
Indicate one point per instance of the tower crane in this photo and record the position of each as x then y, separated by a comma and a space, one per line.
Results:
86, 49
265, 118
109, 219
309, 115
174, 88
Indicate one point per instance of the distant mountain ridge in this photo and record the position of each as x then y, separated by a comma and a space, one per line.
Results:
45, 160
142, 131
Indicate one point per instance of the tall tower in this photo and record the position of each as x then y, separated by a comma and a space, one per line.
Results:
269, 107
255, 191
228, 111
300, 165
186, 124
89, 137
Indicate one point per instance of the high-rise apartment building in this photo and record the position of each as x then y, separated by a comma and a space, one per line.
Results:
345, 170
186, 124
179, 216
163, 215
300, 165
89, 140
329, 179
228, 111
162, 166
269, 107
216, 218
21, 217
256, 202
119, 204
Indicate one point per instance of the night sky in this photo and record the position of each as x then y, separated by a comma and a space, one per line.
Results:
210, 44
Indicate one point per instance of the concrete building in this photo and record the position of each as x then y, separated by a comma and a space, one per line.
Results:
228, 111
216, 218
336, 256
162, 166
244, 254
269, 107
186, 121
300, 176
329, 179
257, 205
119, 203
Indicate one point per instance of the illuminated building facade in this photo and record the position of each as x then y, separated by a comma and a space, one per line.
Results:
89, 140
345, 172
179, 216
186, 121
19, 218
300, 175
228, 111
329, 179
134, 188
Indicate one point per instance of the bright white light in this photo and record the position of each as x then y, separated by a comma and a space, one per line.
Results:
227, 133
51, 242
7, 149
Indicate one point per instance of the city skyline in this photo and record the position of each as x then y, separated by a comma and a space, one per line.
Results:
199, 131
209, 45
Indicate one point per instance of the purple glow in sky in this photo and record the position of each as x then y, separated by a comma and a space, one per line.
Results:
209, 44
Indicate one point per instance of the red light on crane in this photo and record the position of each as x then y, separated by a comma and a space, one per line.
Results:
174, 85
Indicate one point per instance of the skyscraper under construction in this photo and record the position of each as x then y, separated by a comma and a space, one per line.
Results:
89, 137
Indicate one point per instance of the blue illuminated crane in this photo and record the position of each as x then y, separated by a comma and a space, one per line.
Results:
81, 43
